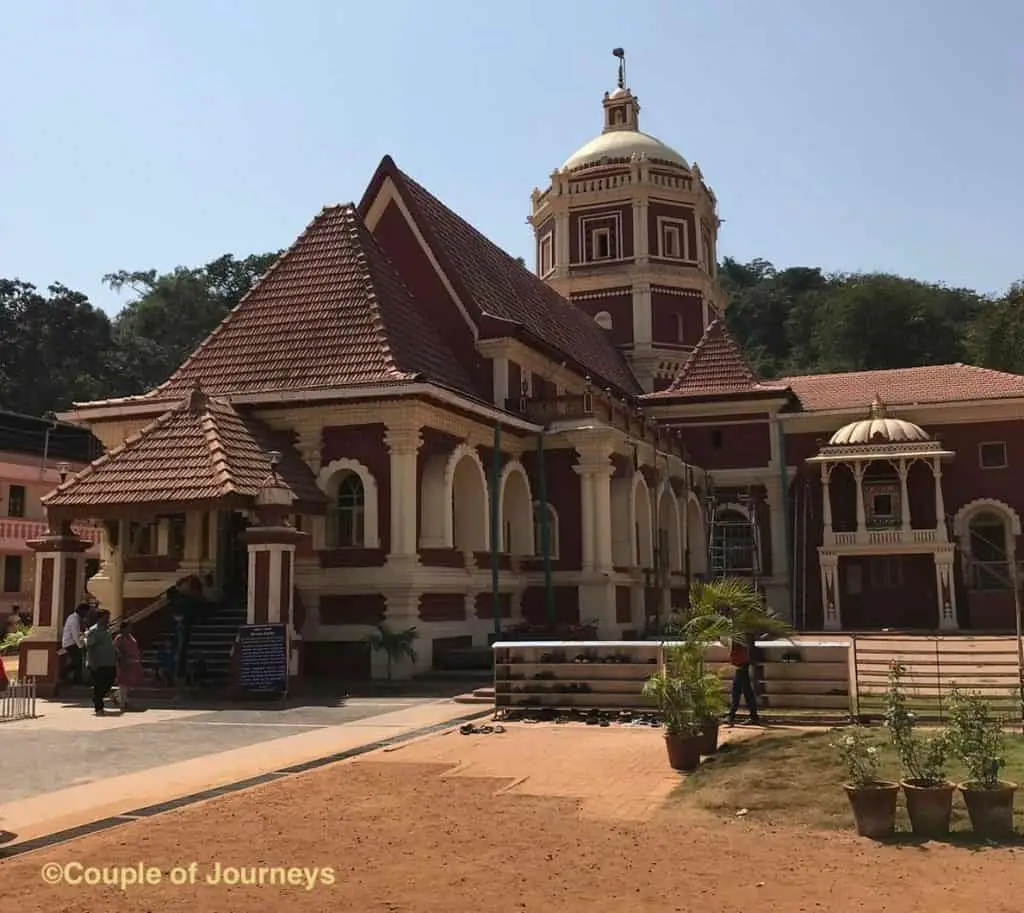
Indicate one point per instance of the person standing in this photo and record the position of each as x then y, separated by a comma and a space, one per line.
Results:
742, 686
101, 658
129, 663
71, 643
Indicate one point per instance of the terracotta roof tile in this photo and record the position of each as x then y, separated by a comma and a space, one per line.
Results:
496, 285
331, 312
201, 450
903, 386
716, 367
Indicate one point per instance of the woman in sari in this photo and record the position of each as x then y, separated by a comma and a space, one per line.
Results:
129, 664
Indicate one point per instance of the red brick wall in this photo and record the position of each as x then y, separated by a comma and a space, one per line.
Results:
734, 446
619, 306
667, 310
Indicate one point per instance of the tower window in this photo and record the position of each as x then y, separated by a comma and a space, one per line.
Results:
600, 244
670, 246
546, 255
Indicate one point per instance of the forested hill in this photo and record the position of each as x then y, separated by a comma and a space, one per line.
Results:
55, 347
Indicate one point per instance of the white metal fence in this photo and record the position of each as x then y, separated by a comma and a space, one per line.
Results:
18, 701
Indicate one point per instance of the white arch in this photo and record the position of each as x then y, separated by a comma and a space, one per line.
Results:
643, 550
668, 520
328, 479
473, 526
696, 538
623, 527
962, 518
553, 531
515, 511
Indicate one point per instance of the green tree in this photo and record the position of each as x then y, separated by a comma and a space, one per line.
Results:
996, 338
396, 646
173, 312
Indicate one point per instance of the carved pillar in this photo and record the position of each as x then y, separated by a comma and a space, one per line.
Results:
57, 592
829, 561
903, 470
587, 518
404, 442
826, 499
944, 558
562, 258
603, 516
940, 503
858, 479
271, 549
642, 318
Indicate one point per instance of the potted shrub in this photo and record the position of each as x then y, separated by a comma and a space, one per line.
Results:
396, 646
682, 730
872, 800
977, 740
686, 662
928, 791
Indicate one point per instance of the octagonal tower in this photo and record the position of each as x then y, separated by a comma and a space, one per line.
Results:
628, 230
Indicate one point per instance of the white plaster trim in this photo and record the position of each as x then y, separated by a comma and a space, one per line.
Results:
675, 553
961, 520
461, 452
327, 480
389, 193
553, 530
514, 467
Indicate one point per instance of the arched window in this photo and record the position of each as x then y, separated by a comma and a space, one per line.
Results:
989, 564
346, 519
538, 529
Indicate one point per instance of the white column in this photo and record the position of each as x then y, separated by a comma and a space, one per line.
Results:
500, 368
642, 320
826, 500
603, 516
641, 242
833, 619
858, 479
403, 444
587, 518
562, 258
945, 589
940, 503
904, 498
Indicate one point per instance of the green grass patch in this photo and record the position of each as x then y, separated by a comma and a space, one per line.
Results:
794, 778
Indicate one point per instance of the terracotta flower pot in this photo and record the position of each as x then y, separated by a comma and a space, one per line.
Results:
683, 751
929, 807
874, 807
709, 737
990, 810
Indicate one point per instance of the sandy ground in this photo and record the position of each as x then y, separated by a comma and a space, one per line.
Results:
542, 818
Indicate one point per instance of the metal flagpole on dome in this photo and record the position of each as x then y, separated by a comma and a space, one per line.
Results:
496, 527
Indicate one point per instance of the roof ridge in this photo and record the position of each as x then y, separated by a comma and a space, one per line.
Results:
324, 210
380, 328
210, 429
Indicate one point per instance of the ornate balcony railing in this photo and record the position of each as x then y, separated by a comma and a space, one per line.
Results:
882, 537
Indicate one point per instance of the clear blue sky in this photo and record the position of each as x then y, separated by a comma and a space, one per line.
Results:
869, 135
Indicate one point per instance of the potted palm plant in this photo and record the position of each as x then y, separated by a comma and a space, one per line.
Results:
724, 611
674, 696
872, 800
687, 663
928, 791
396, 646
977, 740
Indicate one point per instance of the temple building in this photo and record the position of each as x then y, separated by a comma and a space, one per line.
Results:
402, 424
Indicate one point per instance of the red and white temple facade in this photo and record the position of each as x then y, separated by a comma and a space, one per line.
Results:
404, 372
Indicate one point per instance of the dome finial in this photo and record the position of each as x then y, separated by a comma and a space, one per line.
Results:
621, 54
877, 407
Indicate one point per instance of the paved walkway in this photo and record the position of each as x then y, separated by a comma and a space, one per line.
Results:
68, 767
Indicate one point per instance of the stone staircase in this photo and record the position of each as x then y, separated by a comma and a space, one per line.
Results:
213, 635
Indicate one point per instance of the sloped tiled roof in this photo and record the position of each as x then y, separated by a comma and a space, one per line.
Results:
331, 312
716, 367
903, 386
201, 450
496, 285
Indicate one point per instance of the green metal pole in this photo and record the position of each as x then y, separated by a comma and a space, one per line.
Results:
545, 531
495, 528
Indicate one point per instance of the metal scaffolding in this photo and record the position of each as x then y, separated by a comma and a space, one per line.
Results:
733, 534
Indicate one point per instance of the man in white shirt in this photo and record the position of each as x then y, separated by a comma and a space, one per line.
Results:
71, 644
